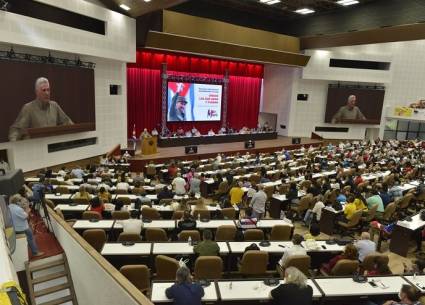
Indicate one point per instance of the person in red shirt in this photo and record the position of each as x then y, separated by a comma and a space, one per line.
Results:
358, 179
350, 252
96, 205
380, 267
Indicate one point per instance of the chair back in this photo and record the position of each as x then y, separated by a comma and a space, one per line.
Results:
345, 267
225, 233
95, 237
405, 202
208, 268
165, 201
269, 190
389, 211
203, 214
129, 237
302, 262
177, 215
138, 275
304, 203
223, 187
166, 268
254, 263
81, 200
120, 215
229, 213
62, 190
125, 200
368, 261
150, 213
87, 215
138, 191
151, 170
355, 219
120, 191
371, 213
193, 234
280, 233
253, 235
156, 234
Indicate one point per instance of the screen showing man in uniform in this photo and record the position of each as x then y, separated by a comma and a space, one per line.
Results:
354, 105
192, 102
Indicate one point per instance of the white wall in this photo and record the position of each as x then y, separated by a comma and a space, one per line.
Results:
403, 82
110, 52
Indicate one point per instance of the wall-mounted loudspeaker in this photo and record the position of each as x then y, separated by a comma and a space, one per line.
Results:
296, 140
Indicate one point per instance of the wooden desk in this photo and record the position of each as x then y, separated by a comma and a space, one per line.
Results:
183, 248
87, 224
402, 233
113, 249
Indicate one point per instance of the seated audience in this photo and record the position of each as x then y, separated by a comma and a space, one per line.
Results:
294, 291
179, 185
96, 205
165, 193
132, 225
375, 199
365, 246
236, 193
104, 195
350, 253
187, 222
296, 249
82, 194
184, 292
380, 267
207, 247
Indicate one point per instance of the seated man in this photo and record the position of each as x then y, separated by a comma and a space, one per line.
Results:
180, 132
207, 247
188, 133
375, 199
211, 132
165, 193
365, 246
184, 292
296, 249
154, 132
132, 225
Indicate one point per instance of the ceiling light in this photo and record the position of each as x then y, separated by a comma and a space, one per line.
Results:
347, 2
270, 2
124, 7
147, 0
304, 11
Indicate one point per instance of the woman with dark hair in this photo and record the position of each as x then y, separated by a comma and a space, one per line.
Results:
350, 253
184, 292
96, 205
380, 267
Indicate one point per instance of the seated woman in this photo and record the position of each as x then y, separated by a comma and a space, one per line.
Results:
96, 205
294, 291
360, 202
82, 194
104, 195
350, 208
380, 267
350, 252
184, 292
187, 223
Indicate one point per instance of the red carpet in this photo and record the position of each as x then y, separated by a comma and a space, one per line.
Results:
45, 240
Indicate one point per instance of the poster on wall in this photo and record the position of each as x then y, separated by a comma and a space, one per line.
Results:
193, 102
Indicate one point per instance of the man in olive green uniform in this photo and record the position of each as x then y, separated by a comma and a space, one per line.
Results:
348, 112
207, 247
41, 112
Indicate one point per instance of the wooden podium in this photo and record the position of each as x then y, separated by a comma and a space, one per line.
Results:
149, 145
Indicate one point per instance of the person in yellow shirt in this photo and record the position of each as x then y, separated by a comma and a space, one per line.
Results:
360, 202
82, 194
236, 193
350, 207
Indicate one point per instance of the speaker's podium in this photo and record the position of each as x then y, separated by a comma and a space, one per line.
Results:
149, 145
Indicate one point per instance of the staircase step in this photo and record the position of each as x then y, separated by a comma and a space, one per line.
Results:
51, 289
49, 277
47, 265
58, 301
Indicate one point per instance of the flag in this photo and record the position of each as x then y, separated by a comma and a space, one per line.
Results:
134, 133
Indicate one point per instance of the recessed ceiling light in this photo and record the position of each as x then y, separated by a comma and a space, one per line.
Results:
147, 0
347, 2
270, 2
124, 7
304, 11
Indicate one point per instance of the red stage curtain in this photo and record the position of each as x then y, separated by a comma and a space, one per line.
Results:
144, 92
243, 101
144, 89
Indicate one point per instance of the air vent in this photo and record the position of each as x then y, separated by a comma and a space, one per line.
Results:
331, 129
71, 144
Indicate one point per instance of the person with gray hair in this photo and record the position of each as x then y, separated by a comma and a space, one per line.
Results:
184, 292
365, 246
41, 112
295, 289
348, 112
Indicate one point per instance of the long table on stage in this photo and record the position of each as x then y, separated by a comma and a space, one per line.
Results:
224, 138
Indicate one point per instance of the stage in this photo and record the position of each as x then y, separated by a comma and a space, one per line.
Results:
138, 162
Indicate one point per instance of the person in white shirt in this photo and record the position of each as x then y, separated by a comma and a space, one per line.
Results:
222, 130
296, 249
132, 225
317, 209
154, 132
258, 203
123, 186
211, 132
126, 155
218, 159
365, 246
188, 133
179, 185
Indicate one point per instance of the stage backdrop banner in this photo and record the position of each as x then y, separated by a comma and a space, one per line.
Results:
144, 90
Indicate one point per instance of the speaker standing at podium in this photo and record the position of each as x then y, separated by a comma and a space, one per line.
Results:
41, 112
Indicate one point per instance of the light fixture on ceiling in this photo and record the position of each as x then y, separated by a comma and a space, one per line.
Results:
347, 2
124, 7
304, 11
147, 0
269, 2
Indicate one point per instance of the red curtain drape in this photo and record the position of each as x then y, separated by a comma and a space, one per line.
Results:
243, 101
144, 89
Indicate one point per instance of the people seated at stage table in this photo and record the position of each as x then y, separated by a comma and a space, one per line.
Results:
222, 130
211, 132
154, 132
180, 132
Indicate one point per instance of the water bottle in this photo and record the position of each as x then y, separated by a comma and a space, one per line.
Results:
189, 240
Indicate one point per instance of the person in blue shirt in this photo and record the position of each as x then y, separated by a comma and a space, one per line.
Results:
184, 292
20, 223
340, 197
386, 199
